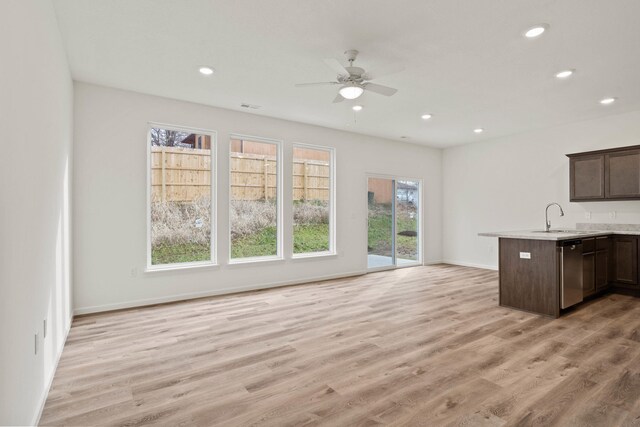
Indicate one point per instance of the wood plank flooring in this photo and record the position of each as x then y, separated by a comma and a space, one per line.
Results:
418, 346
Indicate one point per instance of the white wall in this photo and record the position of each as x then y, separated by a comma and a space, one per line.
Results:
36, 96
505, 184
110, 198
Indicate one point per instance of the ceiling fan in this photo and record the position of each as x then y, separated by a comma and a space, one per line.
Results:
354, 80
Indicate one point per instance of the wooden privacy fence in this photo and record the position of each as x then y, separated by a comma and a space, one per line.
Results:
184, 175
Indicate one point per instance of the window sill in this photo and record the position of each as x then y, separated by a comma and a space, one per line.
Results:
314, 255
177, 267
251, 261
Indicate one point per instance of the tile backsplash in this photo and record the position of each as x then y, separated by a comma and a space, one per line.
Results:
607, 227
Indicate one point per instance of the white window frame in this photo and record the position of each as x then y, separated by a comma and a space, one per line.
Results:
279, 184
395, 179
214, 184
332, 202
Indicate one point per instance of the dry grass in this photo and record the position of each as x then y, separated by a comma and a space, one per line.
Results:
174, 223
311, 212
251, 216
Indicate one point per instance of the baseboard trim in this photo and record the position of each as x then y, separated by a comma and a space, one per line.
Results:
470, 264
211, 293
45, 392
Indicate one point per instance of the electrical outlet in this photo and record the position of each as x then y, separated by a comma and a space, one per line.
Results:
134, 272
612, 214
587, 215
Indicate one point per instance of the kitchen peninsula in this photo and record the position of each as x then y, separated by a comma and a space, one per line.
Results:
546, 272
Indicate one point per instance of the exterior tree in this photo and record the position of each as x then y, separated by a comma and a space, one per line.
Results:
167, 138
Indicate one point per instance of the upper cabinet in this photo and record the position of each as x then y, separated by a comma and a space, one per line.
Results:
605, 175
622, 172
587, 177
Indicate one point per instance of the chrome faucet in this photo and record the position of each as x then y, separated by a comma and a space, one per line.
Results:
547, 223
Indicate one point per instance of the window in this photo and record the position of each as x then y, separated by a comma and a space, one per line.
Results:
254, 198
180, 213
313, 203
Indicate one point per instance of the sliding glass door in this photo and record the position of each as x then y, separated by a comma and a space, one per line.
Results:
407, 222
393, 223
380, 247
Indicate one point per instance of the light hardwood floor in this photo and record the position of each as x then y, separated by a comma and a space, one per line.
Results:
418, 346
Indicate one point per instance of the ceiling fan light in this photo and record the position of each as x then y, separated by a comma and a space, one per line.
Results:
351, 91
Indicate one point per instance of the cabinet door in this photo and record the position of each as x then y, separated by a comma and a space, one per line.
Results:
623, 174
588, 273
586, 176
625, 252
602, 270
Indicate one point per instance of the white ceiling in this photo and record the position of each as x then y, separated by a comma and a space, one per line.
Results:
464, 61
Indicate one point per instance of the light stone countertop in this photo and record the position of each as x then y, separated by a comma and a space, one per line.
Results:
541, 235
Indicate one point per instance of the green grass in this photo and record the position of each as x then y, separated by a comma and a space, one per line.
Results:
310, 238
262, 243
379, 239
187, 252
380, 234
307, 238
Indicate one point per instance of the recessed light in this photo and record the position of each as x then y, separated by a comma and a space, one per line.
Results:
478, 130
564, 74
207, 71
426, 116
356, 107
536, 31
607, 101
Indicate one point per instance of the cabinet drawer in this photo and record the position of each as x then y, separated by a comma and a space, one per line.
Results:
588, 245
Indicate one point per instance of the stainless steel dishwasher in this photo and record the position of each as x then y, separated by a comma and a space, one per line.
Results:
570, 272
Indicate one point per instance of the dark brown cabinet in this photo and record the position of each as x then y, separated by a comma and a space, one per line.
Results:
612, 174
602, 263
622, 171
602, 270
625, 260
588, 273
595, 265
587, 177
537, 275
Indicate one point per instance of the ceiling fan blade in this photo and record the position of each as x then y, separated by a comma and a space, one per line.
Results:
338, 98
380, 89
383, 70
317, 84
335, 65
